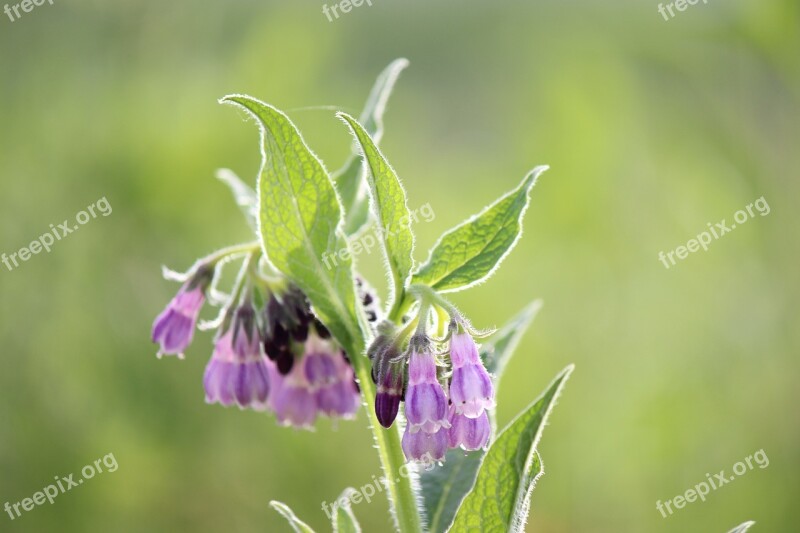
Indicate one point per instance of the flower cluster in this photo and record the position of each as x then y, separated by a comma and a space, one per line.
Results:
438, 416
279, 358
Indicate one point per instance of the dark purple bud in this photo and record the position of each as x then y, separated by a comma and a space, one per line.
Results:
284, 362
321, 330
300, 333
388, 373
389, 395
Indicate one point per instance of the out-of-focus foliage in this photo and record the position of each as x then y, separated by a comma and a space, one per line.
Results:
651, 128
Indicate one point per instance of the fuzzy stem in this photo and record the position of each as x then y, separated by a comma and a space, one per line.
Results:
230, 250
402, 499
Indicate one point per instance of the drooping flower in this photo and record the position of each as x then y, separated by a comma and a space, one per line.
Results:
471, 390
468, 433
331, 378
389, 394
173, 329
238, 371
426, 447
292, 398
388, 374
426, 403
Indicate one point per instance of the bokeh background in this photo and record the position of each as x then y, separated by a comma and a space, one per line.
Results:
652, 128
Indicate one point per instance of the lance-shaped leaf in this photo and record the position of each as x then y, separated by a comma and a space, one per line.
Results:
344, 521
443, 487
500, 499
243, 194
300, 219
390, 207
471, 252
742, 528
297, 525
349, 179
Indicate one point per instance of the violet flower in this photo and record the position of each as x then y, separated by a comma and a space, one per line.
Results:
425, 447
468, 433
471, 390
173, 329
238, 371
331, 379
426, 403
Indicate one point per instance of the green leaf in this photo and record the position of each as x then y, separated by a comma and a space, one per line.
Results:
741, 528
243, 194
349, 180
443, 487
300, 220
298, 525
344, 521
390, 207
469, 253
500, 499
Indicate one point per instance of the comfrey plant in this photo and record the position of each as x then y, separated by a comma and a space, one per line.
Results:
302, 340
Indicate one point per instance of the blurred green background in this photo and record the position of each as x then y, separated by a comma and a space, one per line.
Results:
652, 129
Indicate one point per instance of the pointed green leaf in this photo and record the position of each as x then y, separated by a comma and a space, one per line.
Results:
500, 499
741, 528
297, 525
469, 253
443, 487
243, 194
349, 180
390, 207
300, 220
344, 521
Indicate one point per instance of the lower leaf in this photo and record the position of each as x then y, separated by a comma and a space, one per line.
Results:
344, 521
500, 499
298, 525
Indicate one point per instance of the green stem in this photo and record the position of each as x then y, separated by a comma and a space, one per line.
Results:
402, 497
401, 306
230, 250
